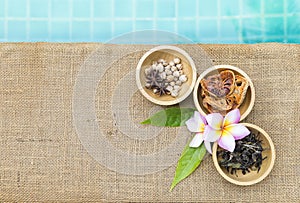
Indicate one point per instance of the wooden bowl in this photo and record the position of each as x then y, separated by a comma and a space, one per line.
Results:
253, 177
168, 53
248, 103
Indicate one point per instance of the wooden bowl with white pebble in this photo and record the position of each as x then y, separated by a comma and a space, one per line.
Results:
177, 65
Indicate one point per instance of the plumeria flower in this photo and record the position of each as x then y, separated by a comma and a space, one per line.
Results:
197, 124
225, 130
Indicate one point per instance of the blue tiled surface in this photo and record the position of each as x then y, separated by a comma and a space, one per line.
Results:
213, 21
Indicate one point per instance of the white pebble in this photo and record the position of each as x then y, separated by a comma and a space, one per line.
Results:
176, 87
174, 93
173, 68
169, 88
169, 72
183, 78
178, 82
179, 66
170, 78
163, 75
172, 63
176, 60
172, 83
176, 74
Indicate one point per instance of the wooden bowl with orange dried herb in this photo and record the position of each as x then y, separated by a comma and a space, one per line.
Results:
222, 88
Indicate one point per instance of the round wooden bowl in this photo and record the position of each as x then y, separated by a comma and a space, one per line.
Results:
168, 53
248, 103
252, 177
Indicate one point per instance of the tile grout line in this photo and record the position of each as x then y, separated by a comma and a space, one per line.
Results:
197, 20
285, 21
240, 29
70, 20
113, 18
27, 20
218, 20
263, 22
133, 16
155, 15
176, 17
5, 20
49, 20
92, 20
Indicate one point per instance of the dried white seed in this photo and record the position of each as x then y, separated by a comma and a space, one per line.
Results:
178, 82
172, 83
170, 78
172, 63
176, 87
181, 72
154, 67
147, 85
183, 78
179, 66
169, 72
155, 91
168, 67
163, 75
147, 70
174, 93
166, 84
173, 68
165, 63
160, 67
169, 88
175, 79
176, 74
176, 60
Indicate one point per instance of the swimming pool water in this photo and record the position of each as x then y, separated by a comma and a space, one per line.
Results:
213, 21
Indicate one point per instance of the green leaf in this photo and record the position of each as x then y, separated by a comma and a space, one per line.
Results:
190, 159
171, 117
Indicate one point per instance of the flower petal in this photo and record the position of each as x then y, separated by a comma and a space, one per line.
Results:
232, 117
197, 140
215, 120
208, 146
196, 123
227, 141
238, 131
211, 135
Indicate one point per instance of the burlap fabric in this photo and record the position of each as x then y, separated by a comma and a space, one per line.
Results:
44, 156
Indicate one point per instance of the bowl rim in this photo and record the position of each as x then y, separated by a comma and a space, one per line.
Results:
230, 67
251, 182
176, 100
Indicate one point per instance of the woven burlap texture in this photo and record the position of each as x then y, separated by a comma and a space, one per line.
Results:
42, 158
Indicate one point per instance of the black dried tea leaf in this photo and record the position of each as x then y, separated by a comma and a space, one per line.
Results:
246, 157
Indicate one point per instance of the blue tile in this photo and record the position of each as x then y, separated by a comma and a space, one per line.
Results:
208, 28
122, 27
81, 30
102, 31
16, 30
144, 25
208, 8
293, 25
251, 7
81, 9
16, 8
187, 9
144, 8
252, 40
252, 27
293, 40
293, 6
165, 25
38, 8
60, 31
274, 39
60, 9
229, 28
187, 28
166, 9
274, 26
39, 31
274, 7
230, 7
2, 8
2, 32
102, 8
123, 8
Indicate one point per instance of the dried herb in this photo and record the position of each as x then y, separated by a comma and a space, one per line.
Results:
247, 155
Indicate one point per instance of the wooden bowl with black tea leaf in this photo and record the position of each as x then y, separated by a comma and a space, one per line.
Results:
255, 173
